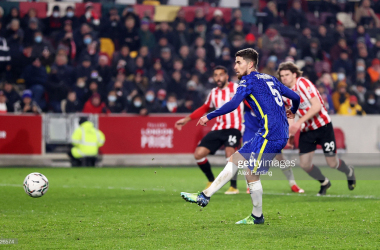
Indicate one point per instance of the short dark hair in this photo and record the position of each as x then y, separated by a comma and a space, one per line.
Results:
249, 54
289, 66
222, 68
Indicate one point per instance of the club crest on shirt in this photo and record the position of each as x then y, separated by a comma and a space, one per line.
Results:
241, 83
309, 90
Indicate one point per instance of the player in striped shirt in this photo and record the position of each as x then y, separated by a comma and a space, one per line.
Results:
316, 127
264, 94
227, 129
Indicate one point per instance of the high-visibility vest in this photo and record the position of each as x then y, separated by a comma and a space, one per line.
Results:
86, 140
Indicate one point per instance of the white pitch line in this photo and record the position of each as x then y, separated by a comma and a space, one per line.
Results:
163, 190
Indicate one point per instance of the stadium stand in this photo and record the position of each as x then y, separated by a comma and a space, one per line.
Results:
172, 46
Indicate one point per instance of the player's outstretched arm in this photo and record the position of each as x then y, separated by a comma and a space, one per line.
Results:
292, 96
196, 114
225, 109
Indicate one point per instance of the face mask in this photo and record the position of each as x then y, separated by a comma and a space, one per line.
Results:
113, 24
149, 98
81, 84
137, 104
94, 75
38, 39
377, 92
70, 14
360, 68
87, 40
341, 76
55, 14
171, 106
111, 98
88, 14
371, 101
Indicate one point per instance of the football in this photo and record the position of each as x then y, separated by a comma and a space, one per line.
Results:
36, 185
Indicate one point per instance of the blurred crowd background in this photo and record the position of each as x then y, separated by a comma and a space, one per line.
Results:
122, 62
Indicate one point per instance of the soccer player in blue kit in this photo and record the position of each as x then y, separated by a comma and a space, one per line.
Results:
264, 94
252, 125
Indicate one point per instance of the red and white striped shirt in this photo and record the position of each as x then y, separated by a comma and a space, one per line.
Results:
216, 98
306, 90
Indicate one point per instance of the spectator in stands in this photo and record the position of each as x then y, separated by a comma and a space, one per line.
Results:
217, 44
14, 35
362, 77
158, 81
343, 63
309, 69
237, 44
326, 97
92, 89
362, 54
199, 18
90, 17
200, 30
272, 16
84, 69
164, 30
304, 39
27, 105
314, 51
116, 104
171, 104
184, 55
79, 37
122, 59
70, 15
43, 49
180, 18
226, 60
152, 104
376, 48
147, 37
3, 103
53, 23
250, 41
5, 58
201, 71
236, 31
11, 95
177, 85
371, 106
94, 105
192, 94
71, 104
91, 51
364, 15
351, 107
340, 32
104, 70
110, 26
217, 19
374, 71
359, 90
273, 43
327, 81
130, 12
30, 30
130, 35
166, 59
139, 64
35, 78
182, 36
32, 13
13, 14
361, 35
146, 55
340, 95
338, 48
142, 84
271, 66
296, 16
209, 49
59, 81
137, 106
326, 39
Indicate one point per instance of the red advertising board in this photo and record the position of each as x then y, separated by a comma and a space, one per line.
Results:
149, 135
20, 134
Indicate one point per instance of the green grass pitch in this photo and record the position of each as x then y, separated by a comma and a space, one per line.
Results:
141, 208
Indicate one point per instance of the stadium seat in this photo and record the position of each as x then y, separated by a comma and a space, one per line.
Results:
39, 7
107, 46
151, 2
165, 13
140, 9
178, 2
